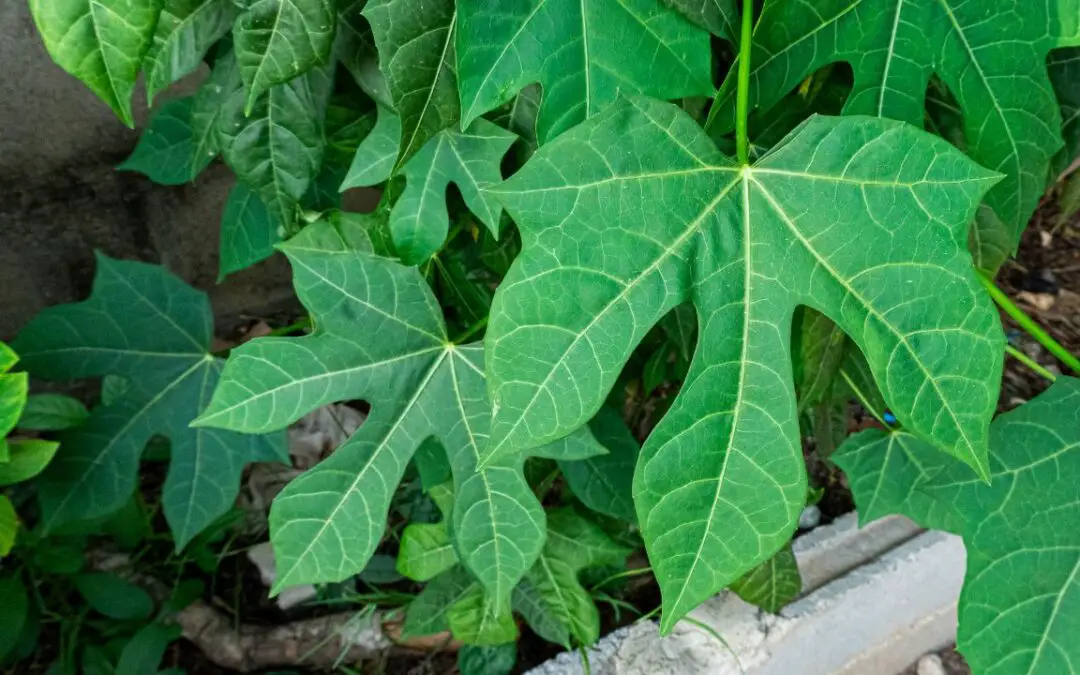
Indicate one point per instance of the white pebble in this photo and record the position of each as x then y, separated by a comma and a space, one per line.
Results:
930, 665
809, 518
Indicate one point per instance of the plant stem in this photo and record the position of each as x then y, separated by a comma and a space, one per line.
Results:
299, 324
1028, 324
471, 331
742, 101
864, 400
1029, 362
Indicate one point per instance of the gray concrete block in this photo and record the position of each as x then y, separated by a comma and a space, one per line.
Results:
874, 600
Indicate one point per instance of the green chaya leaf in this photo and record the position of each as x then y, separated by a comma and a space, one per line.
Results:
249, 231
416, 55
1064, 69
573, 544
14, 612
13, 389
822, 347
635, 212
519, 117
497, 660
9, 527
166, 153
374, 159
427, 613
277, 147
462, 289
210, 100
542, 619
114, 597
583, 54
474, 620
277, 40
149, 327
101, 42
719, 17
185, 32
326, 523
604, 483
470, 160
144, 652
425, 551
680, 326
26, 459
772, 584
355, 49
990, 54
1019, 606
52, 412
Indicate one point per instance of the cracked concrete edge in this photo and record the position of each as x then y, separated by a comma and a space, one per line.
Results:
840, 553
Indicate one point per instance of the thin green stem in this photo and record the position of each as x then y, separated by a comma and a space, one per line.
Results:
585, 660
471, 331
622, 575
300, 324
1028, 324
1029, 362
742, 100
863, 399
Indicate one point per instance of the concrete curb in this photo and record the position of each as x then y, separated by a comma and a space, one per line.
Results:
875, 599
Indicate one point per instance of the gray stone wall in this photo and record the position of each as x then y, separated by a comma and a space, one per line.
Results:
61, 198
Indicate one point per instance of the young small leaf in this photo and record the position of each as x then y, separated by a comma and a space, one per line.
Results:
604, 483
185, 31
277, 40
101, 42
249, 231
581, 53
470, 160
146, 325
114, 597
772, 584
143, 653
747, 245
26, 458
427, 613
52, 412
474, 620
425, 551
498, 660
9, 527
166, 153
374, 159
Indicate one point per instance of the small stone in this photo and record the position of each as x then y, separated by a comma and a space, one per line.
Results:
930, 665
809, 518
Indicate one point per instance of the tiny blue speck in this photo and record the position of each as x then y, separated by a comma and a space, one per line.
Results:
890, 418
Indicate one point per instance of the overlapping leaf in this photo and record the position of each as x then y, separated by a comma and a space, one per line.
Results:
326, 523
1020, 605
772, 584
249, 231
416, 55
604, 483
469, 159
990, 54
719, 17
583, 54
13, 390
101, 42
149, 327
550, 597
185, 31
167, 152
277, 40
634, 212
277, 150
